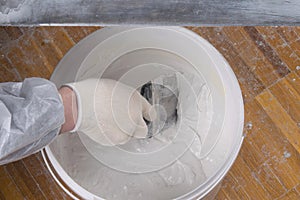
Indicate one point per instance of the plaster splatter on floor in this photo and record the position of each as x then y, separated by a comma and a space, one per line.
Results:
286, 154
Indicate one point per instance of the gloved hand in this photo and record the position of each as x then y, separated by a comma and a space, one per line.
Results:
110, 112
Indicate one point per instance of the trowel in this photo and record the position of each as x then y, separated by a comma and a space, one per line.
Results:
162, 93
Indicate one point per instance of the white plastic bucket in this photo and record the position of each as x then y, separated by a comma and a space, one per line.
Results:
119, 49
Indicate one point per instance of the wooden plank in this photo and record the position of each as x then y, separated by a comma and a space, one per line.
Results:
7, 186
250, 84
14, 33
76, 33
221, 195
269, 53
292, 194
285, 42
24, 181
7, 71
61, 39
34, 58
249, 49
281, 118
298, 189
17, 58
4, 37
252, 155
294, 80
233, 189
270, 147
288, 97
167, 12
47, 46
247, 181
90, 29
37, 169
270, 182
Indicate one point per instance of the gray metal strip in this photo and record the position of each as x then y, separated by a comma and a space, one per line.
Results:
149, 12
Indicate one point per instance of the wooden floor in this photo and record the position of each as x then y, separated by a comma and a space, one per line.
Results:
266, 61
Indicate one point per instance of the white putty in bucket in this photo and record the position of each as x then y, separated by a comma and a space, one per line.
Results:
172, 178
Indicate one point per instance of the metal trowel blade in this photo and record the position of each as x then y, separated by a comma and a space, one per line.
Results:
163, 94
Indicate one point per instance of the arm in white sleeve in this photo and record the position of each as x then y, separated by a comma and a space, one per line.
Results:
31, 115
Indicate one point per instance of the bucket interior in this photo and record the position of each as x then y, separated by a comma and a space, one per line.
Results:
135, 56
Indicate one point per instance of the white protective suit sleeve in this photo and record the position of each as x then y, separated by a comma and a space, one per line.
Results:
31, 115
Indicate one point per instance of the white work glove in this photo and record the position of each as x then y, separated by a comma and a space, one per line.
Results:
110, 112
